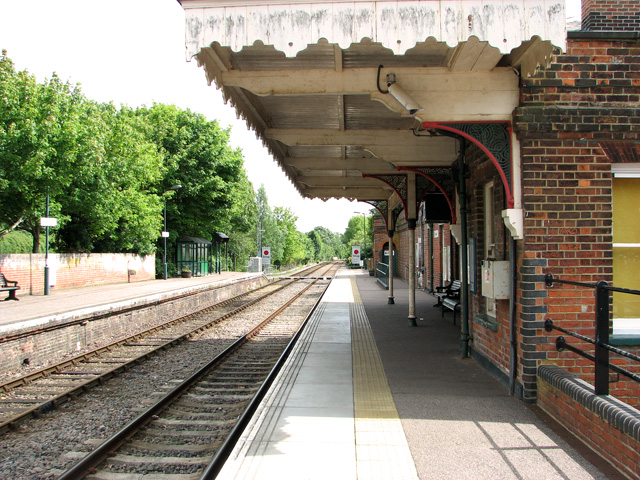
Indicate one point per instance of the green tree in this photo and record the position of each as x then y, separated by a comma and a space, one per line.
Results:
112, 200
297, 248
241, 222
359, 234
215, 192
326, 244
39, 125
269, 230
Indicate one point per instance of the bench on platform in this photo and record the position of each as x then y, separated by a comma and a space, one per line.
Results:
452, 304
9, 286
450, 291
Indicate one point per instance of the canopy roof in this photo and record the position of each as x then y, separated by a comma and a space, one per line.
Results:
307, 78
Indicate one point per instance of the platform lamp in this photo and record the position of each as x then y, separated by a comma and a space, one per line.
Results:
364, 245
165, 234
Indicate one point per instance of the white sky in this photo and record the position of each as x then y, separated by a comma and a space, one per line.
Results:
132, 52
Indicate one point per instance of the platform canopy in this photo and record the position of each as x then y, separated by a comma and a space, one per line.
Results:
306, 76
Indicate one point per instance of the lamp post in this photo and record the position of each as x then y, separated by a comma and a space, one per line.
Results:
47, 222
364, 232
165, 233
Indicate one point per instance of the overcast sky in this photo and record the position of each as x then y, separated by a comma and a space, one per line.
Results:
132, 52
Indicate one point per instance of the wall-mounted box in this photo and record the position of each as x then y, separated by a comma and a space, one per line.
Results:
495, 279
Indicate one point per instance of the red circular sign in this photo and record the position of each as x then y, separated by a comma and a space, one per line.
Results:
355, 252
266, 252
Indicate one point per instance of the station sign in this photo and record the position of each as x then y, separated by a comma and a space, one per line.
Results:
48, 222
355, 255
266, 255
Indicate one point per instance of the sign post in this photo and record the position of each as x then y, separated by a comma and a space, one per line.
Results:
47, 222
355, 255
266, 256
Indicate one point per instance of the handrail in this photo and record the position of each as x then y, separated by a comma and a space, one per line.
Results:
382, 274
601, 341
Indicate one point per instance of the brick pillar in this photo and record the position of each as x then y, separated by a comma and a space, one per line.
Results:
611, 15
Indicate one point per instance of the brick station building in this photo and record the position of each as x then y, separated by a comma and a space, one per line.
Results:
578, 123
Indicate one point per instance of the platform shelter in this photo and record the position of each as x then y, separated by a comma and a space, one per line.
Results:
482, 124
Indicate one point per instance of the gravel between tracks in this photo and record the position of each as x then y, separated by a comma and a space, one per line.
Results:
41, 448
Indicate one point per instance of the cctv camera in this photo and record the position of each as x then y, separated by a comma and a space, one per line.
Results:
404, 98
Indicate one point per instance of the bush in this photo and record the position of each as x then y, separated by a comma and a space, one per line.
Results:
19, 241
172, 270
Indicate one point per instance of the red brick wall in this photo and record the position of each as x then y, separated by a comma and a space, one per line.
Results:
490, 336
105, 325
570, 115
610, 15
74, 270
595, 430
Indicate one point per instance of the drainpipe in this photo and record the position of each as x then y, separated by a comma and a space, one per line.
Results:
391, 301
431, 277
462, 198
513, 362
412, 272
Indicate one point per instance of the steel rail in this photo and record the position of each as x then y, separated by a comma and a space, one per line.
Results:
222, 455
89, 463
56, 400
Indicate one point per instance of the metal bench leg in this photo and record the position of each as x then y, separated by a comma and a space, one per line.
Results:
12, 296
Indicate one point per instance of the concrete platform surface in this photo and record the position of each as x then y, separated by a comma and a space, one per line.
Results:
412, 408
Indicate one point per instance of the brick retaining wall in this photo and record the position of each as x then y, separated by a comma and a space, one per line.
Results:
75, 269
86, 331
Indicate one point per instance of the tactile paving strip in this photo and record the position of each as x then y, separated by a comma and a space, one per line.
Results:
381, 446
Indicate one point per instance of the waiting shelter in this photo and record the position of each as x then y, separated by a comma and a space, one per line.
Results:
193, 253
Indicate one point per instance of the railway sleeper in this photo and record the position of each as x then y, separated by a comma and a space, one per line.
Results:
196, 406
182, 437
163, 447
151, 465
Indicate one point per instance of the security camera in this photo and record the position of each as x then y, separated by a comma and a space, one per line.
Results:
403, 97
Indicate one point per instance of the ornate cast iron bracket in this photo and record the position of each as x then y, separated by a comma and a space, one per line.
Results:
493, 138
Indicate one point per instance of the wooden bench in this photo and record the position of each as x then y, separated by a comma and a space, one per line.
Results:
452, 304
8, 286
450, 291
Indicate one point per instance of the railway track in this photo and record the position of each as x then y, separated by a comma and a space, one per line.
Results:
182, 435
38, 392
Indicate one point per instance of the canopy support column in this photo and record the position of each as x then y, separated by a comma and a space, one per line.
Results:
462, 198
411, 211
390, 281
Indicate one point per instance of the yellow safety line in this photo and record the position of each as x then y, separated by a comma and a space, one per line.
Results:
381, 446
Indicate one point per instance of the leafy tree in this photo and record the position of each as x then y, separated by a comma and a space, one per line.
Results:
271, 235
297, 248
39, 124
241, 222
215, 193
360, 234
112, 199
326, 244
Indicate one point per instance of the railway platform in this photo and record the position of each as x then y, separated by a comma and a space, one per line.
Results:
34, 310
364, 396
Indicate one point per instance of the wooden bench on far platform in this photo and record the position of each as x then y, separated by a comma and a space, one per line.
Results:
9, 286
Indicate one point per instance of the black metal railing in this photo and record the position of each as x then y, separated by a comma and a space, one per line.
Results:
601, 341
382, 274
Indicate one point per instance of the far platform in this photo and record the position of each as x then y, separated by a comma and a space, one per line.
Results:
34, 310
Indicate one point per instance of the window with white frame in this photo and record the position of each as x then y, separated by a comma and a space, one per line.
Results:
626, 247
